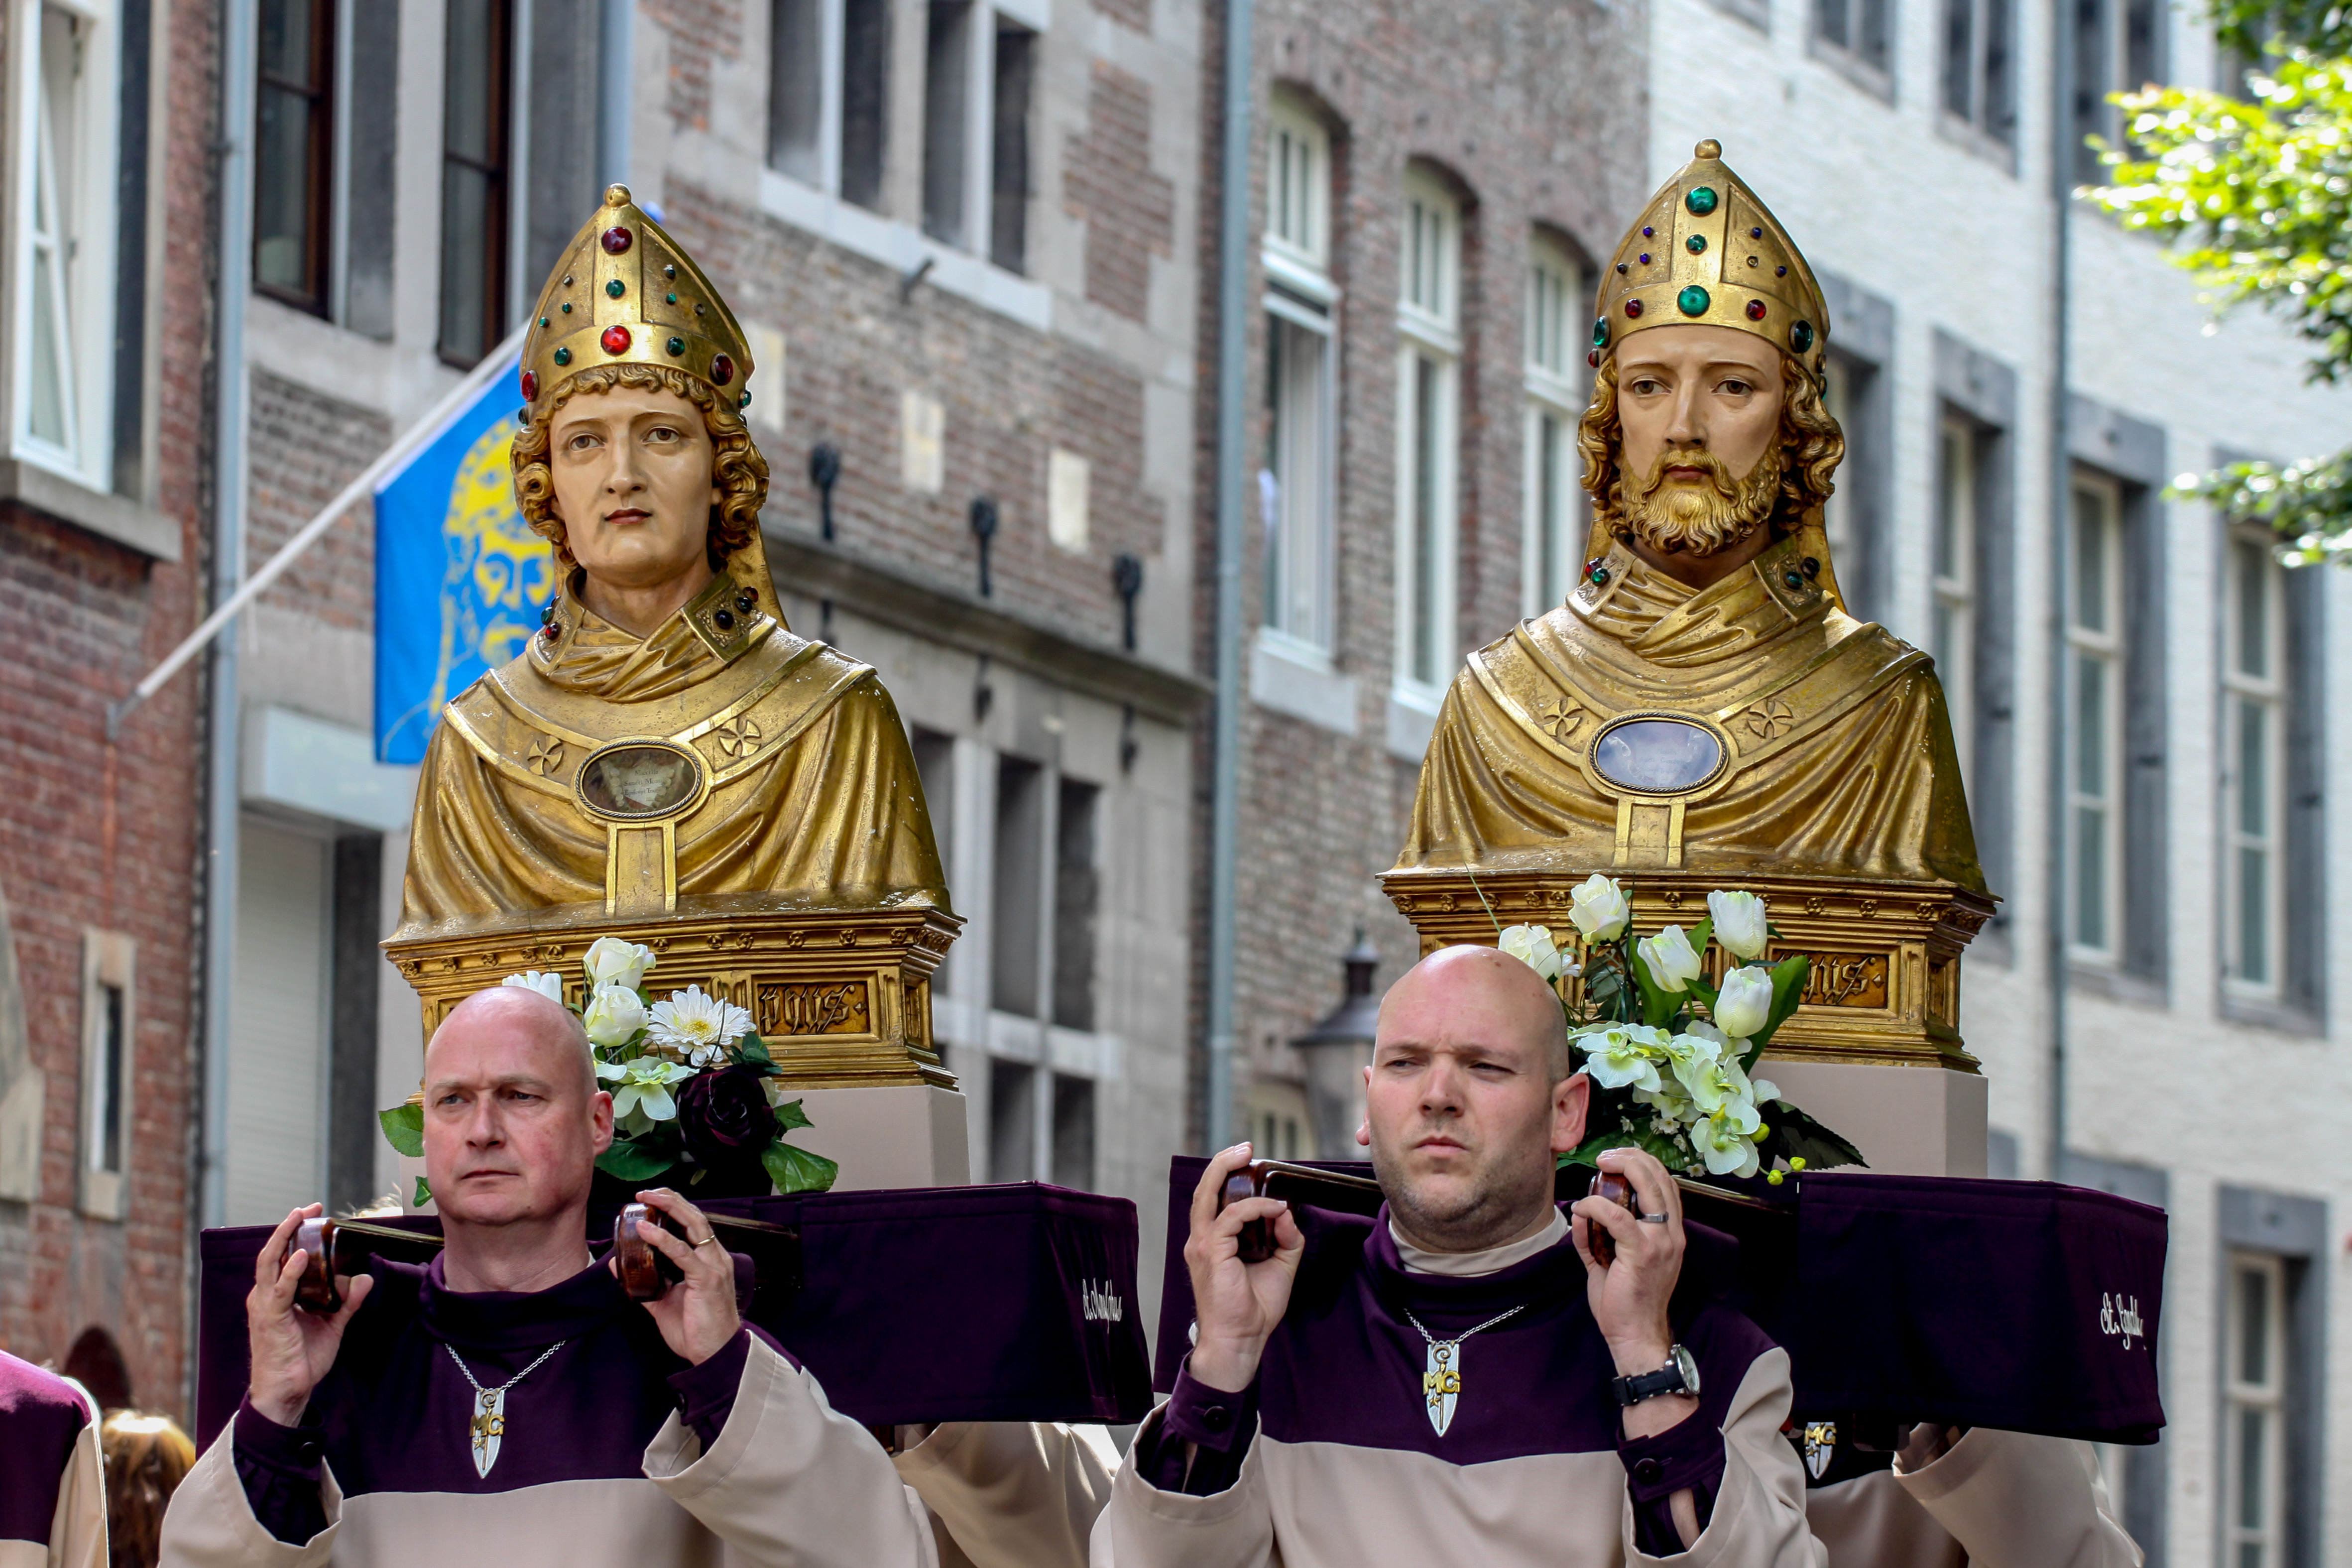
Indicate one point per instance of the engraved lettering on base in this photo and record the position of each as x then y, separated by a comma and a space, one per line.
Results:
812, 1009
1657, 756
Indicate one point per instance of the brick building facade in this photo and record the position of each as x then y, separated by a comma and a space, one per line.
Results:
1434, 190
103, 552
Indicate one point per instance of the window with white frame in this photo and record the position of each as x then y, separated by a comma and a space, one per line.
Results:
1980, 85
109, 1021
1952, 620
66, 177
2095, 695
1429, 362
2253, 1387
1552, 485
829, 94
1296, 484
978, 68
1858, 29
2253, 765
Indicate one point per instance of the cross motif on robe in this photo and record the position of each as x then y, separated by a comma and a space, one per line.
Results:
1559, 716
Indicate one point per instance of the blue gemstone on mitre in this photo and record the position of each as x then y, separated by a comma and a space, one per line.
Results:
1701, 201
1691, 301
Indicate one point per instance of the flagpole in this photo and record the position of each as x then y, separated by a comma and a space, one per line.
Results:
495, 364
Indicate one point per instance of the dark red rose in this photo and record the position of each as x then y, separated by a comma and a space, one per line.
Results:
725, 1118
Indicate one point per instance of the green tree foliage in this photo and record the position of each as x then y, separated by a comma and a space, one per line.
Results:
2254, 196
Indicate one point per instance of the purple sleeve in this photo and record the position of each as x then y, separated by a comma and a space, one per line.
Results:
278, 1468
706, 1393
1688, 1454
1198, 1438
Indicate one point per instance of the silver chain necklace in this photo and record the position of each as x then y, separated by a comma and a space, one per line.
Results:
1441, 1377
490, 1422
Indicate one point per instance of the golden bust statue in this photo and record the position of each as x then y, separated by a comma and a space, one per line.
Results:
1702, 701
1703, 712
665, 760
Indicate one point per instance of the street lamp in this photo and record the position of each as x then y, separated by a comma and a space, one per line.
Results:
1336, 1051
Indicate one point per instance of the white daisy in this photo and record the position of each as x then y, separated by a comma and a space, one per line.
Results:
697, 1027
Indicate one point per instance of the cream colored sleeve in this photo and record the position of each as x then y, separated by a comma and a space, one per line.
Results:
210, 1524
1758, 1521
2016, 1501
77, 1529
1144, 1527
1012, 1494
792, 1482
1870, 1521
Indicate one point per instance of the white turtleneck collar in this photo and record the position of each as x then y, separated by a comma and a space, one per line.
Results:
1543, 1239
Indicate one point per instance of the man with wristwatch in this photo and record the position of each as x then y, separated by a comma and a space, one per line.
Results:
1460, 1379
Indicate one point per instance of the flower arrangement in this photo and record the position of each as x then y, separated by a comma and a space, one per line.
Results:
1669, 1056
694, 1089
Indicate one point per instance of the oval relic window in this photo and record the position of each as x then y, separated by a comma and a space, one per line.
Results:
1656, 755
640, 781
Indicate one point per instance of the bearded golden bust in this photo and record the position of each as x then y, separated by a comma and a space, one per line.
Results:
1702, 701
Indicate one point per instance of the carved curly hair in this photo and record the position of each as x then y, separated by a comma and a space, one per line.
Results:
1811, 444
737, 468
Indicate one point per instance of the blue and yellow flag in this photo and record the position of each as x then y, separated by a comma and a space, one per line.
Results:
460, 579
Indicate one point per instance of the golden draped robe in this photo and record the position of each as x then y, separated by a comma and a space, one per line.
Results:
1832, 749
808, 791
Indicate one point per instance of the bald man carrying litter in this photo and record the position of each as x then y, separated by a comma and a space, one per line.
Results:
1459, 1381
508, 1404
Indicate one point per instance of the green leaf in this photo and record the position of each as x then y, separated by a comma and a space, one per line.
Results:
1588, 1153
790, 1115
423, 1194
795, 1169
627, 1161
1797, 1136
1788, 989
404, 1129
752, 1051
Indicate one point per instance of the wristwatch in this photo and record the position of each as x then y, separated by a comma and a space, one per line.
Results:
1679, 1375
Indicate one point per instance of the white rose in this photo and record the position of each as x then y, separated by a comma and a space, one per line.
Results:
1738, 924
1671, 963
1598, 909
614, 1015
1533, 946
1744, 1004
611, 962
547, 985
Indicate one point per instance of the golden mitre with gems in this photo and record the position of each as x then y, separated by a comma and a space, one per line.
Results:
742, 800
1746, 733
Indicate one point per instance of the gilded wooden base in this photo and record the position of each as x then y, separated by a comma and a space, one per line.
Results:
1886, 985
842, 998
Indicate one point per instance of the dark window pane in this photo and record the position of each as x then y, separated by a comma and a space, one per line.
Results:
470, 87
1998, 105
1074, 1132
1020, 868
865, 98
947, 76
1008, 224
281, 191
112, 1069
1872, 43
474, 144
797, 88
1959, 56
2093, 69
1831, 19
2141, 45
466, 221
1012, 1122
1076, 893
1424, 520
286, 41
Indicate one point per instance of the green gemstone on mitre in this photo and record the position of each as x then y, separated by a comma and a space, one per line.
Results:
1691, 301
1701, 201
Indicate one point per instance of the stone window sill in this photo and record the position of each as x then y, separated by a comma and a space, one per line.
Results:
1290, 678
110, 517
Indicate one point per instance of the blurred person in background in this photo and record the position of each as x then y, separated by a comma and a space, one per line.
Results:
146, 1457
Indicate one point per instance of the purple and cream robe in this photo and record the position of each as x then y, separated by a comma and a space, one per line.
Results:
52, 1479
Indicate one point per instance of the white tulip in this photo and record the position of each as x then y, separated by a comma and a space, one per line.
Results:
1533, 946
1744, 1004
547, 985
1669, 958
614, 1015
1738, 924
611, 962
1598, 909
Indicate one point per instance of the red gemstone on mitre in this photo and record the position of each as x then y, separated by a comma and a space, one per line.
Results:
1593, 357
617, 239
722, 371
530, 387
1755, 310
616, 340
1632, 306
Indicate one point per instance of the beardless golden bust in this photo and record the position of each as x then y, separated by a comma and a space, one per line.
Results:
665, 746
1702, 701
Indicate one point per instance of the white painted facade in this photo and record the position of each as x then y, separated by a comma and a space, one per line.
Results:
2224, 1102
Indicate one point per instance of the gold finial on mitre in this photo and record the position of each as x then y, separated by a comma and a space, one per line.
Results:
626, 293
1706, 251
